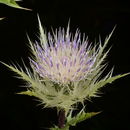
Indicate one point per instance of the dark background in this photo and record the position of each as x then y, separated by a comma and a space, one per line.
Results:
91, 17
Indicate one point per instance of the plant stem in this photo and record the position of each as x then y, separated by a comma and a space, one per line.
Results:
61, 119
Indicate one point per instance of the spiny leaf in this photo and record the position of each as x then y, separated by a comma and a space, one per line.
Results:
23, 75
28, 92
43, 38
12, 3
81, 116
103, 82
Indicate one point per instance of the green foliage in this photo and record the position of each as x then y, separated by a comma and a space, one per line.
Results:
72, 121
12, 3
108, 79
28, 92
81, 116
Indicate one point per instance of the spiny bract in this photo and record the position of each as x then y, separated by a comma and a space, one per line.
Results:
65, 69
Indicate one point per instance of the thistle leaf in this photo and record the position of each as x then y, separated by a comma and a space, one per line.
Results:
43, 38
81, 116
28, 92
22, 74
12, 3
103, 82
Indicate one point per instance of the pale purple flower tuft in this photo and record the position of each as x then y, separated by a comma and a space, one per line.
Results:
65, 58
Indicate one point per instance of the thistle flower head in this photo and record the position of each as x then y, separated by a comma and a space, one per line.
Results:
65, 69
64, 59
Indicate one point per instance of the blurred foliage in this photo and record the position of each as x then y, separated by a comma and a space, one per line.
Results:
12, 3
1, 18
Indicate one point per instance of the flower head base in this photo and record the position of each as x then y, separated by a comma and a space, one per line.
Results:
64, 59
65, 69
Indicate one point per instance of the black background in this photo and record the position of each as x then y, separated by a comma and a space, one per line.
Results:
91, 17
